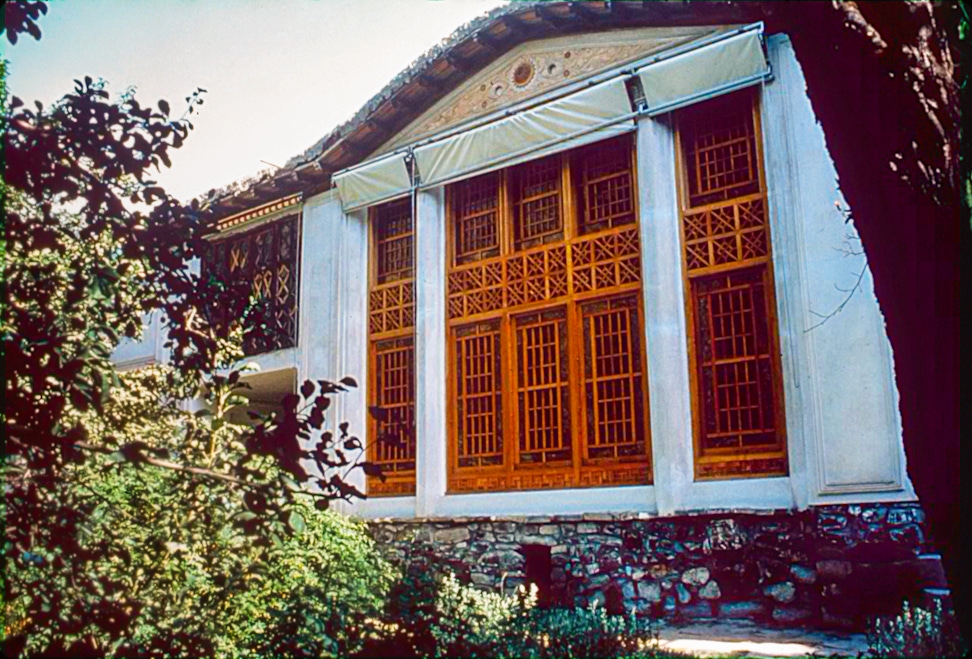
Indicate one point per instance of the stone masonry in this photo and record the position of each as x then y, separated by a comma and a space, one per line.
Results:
829, 566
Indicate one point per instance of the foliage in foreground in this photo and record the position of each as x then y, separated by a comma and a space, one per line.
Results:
439, 616
162, 561
917, 632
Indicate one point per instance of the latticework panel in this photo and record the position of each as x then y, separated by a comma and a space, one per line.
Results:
719, 143
391, 319
725, 233
735, 367
562, 235
476, 217
394, 241
613, 376
476, 289
537, 202
536, 276
605, 260
393, 445
266, 257
542, 388
391, 307
477, 368
606, 185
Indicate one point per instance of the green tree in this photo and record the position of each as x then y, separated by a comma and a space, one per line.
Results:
106, 476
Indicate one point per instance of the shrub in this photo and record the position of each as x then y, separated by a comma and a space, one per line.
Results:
590, 632
916, 632
320, 592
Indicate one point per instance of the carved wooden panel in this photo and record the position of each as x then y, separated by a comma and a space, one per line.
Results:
266, 256
522, 319
734, 351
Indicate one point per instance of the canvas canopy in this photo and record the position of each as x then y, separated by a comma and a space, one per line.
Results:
708, 70
373, 182
688, 74
591, 114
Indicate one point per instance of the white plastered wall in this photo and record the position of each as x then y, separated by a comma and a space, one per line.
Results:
842, 400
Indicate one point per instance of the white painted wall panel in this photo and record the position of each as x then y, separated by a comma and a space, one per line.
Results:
848, 405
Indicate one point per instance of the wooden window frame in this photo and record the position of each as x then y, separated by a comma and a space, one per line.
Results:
391, 319
557, 276
735, 462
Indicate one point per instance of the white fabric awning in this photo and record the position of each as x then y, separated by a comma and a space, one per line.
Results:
373, 182
592, 114
708, 70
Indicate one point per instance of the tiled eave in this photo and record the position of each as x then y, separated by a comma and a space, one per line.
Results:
445, 66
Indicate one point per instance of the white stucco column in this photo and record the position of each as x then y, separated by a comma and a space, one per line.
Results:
430, 350
668, 384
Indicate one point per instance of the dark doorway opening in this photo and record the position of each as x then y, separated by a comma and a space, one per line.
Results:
538, 571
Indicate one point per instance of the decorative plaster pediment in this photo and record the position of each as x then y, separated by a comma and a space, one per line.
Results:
538, 67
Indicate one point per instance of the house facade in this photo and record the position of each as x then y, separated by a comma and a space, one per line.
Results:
593, 267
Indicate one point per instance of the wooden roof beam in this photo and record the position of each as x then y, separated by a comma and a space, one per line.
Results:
560, 23
583, 10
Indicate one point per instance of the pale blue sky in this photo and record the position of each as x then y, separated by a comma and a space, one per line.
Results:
280, 74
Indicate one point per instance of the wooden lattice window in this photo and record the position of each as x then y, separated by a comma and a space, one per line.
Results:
537, 213
734, 347
393, 241
607, 190
391, 320
720, 142
526, 308
476, 207
613, 378
266, 256
478, 397
543, 399
394, 371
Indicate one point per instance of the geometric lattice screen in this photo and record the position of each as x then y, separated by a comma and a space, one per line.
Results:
734, 348
546, 358
266, 256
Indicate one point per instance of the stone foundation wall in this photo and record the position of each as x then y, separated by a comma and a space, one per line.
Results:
827, 566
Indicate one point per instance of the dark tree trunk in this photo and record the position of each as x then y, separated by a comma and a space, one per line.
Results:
871, 70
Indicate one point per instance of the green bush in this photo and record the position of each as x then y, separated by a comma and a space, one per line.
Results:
590, 632
430, 615
916, 632
322, 591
